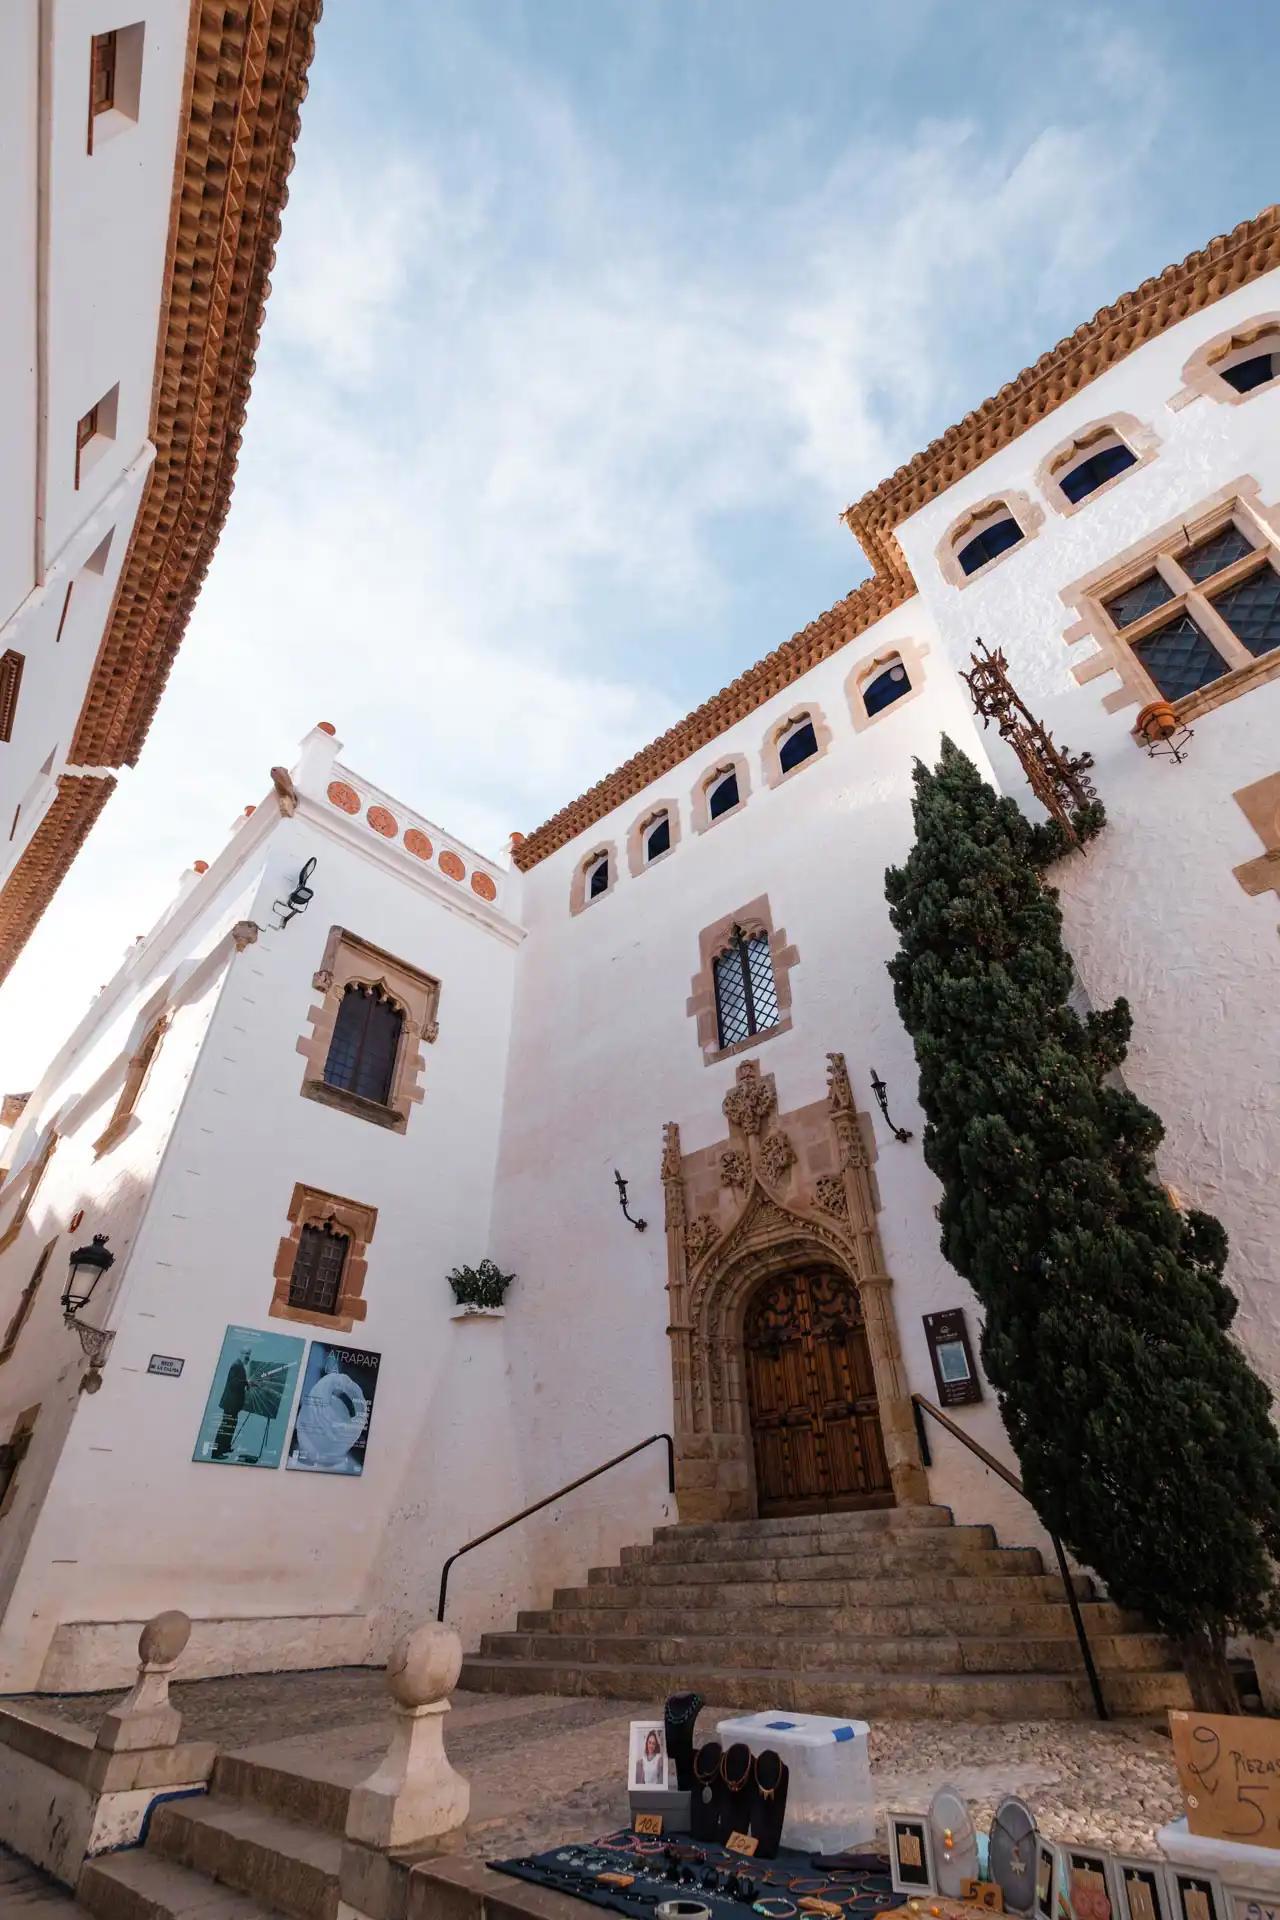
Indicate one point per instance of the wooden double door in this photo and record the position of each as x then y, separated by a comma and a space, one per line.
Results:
811, 1397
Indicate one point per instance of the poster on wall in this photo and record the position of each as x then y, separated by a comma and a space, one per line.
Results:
331, 1428
246, 1415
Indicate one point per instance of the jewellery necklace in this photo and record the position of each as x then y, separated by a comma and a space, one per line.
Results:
1017, 1861
735, 1786
767, 1793
704, 1779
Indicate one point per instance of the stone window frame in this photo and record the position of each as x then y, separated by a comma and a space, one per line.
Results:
1239, 503
314, 1207
13, 1452
636, 862
1028, 513
701, 795
26, 1301
912, 654
350, 960
137, 1073
1201, 376
1260, 804
579, 898
1142, 441
771, 745
756, 917
35, 1174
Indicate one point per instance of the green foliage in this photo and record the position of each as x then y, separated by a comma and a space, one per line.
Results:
1145, 1437
482, 1286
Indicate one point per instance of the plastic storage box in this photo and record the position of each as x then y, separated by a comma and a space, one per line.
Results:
829, 1792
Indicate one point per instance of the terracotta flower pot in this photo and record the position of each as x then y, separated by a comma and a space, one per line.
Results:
1157, 721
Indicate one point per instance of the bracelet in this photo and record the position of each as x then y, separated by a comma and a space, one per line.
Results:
775, 1909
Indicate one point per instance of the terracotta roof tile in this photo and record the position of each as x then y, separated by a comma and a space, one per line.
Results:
44, 860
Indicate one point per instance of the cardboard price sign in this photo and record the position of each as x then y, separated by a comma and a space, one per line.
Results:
741, 1843
1229, 1772
648, 1823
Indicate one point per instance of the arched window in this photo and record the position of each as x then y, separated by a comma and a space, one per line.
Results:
887, 684
996, 537
657, 836
797, 742
746, 992
316, 1281
366, 1041
1253, 371
131, 1092
598, 876
1093, 469
722, 793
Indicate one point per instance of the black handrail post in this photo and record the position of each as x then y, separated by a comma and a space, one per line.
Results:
559, 1494
922, 1437
1077, 1621
922, 1406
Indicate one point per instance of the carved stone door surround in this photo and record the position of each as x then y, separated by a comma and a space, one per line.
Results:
780, 1192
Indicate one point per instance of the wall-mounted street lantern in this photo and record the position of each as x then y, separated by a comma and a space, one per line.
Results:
881, 1093
298, 899
87, 1266
639, 1225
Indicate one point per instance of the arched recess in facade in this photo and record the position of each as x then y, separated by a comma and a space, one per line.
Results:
782, 1192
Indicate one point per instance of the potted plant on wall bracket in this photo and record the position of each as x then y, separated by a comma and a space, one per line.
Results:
480, 1290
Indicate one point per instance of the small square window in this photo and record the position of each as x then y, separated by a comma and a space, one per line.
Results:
95, 430
115, 82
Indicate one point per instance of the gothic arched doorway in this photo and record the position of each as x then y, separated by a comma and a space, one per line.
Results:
811, 1396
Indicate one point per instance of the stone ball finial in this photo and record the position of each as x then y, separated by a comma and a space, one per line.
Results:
424, 1665
164, 1638
325, 726
200, 866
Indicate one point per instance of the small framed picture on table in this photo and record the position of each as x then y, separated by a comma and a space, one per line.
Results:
1194, 1895
647, 1761
1090, 1889
1141, 1889
1050, 1876
910, 1854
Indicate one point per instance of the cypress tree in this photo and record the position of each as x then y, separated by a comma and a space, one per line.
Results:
1144, 1436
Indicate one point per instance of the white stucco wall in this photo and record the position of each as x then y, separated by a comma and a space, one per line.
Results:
1153, 911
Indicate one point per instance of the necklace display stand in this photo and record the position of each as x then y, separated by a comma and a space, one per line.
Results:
709, 1798
769, 1802
679, 1714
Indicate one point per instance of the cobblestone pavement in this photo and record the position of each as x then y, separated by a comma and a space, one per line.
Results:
545, 1769
24, 1891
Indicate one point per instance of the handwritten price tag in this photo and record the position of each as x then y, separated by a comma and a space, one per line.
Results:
1229, 1772
648, 1823
741, 1843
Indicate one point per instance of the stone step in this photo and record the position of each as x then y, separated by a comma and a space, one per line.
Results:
903, 1590
1037, 1618
304, 1798
872, 1563
286, 1866
911, 1546
873, 1520
924, 1695
138, 1885
939, 1653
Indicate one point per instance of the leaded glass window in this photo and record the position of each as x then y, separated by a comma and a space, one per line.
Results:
986, 545
1211, 556
366, 1040
1180, 658
1143, 597
746, 991
1252, 611
316, 1281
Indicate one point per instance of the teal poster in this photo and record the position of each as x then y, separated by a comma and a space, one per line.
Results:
246, 1416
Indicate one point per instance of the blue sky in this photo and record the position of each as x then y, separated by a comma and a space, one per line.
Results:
589, 316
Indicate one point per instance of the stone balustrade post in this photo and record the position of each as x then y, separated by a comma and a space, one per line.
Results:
144, 1718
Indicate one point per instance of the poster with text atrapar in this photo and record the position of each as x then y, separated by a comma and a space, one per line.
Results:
331, 1429
246, 1415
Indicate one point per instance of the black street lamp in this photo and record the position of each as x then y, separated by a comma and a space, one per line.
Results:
88, 1264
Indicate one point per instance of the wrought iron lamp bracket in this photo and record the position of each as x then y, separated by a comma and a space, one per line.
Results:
881, 1092
639, 1225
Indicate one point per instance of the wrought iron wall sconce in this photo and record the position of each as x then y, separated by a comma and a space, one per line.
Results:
1164, 735
881, 1093
639, 1225
297, 900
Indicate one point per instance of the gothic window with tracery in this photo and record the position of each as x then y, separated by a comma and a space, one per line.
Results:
366, 1041
746, 991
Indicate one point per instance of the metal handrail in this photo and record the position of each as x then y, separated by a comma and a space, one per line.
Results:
559, 1494
920, 1405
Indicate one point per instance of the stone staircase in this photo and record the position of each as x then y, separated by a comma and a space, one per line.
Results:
895, 1613
263, 1844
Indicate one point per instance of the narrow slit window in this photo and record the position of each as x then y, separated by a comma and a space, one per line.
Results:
316, 1281
365, 1045
722, 795
746, 991
11, 665
597, 876
657, 838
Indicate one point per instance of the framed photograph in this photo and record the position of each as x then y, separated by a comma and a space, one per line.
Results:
1194, 1895
648, 1764
1090, 1887
331, 1427
910, 1854
1141, 1890
247, 1413
1049, 1878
